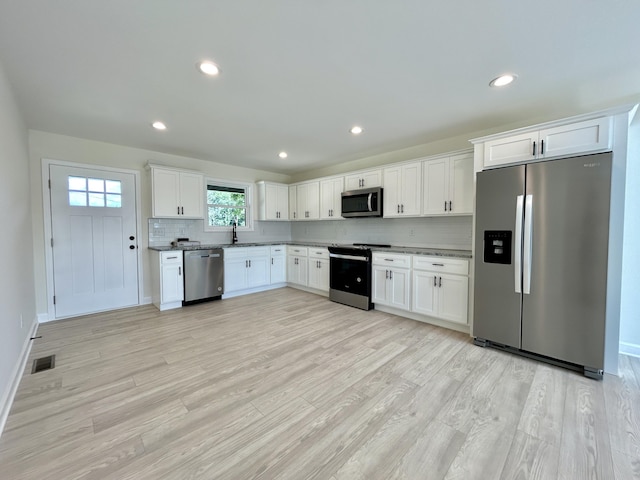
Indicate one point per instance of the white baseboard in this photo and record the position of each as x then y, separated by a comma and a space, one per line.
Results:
146, 301
630, 349
9, 395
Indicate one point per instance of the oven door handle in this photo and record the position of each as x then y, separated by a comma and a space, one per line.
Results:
348, 257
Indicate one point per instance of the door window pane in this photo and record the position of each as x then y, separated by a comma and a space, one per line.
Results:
77, 199
96, 199
94, 188
113, 186
114, 201
96, 185
77, 183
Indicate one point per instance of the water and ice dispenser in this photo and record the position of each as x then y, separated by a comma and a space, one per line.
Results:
497, 246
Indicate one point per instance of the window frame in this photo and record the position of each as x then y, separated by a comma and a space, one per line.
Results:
248, 195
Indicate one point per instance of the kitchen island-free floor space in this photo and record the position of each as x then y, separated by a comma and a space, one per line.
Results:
286, 384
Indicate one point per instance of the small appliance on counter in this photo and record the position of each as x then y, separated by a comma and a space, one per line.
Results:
185, 242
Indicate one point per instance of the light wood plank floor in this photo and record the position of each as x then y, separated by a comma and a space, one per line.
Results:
286, 384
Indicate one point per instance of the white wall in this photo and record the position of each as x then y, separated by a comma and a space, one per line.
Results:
50, 146
17, 279
630, 305
434, 232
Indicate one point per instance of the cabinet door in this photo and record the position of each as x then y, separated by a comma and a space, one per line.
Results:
435, 186
424, 293
323, 277
282, 202
270, 206
461, 184
235, 274
258, 271
371, 178
301, 201
392, 188
278, 273
410, 189
172, 285
581, 137
379, 288
191, 195
514, 149
293, 203
398, 293
453, 298
166, 193
314, 273
303, 271
312, 200
330, 198
352, 182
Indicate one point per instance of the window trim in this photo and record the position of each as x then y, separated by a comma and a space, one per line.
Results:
248, 192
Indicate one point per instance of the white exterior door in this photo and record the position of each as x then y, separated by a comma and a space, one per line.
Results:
93, 223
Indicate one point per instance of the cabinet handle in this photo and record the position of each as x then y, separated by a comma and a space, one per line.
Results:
390, 274
179, 271
249, 263
449, 205
542, 147
386, 274
439, 281
445, 205
272, 261
388, 259
246, 264
182, 210
397, 208
435, 282
402, 208
170, 258
534, 149
178, 210
438, 264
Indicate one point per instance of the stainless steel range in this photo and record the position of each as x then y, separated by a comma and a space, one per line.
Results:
350, 274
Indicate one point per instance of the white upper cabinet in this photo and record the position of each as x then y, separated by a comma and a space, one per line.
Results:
293, 202
363, 179
447, 185
588, 136
176, 193
307, 201
273, 201
330, 198
402, 190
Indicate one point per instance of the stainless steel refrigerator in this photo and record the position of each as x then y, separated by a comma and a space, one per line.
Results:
542, 233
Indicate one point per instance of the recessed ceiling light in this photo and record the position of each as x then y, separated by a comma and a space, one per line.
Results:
356, 130
283, 155
159, 126
208, 68
503, 80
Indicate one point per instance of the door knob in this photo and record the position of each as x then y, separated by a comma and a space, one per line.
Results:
132, 237
132, 247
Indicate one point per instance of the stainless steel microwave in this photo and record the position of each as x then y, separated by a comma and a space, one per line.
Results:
366, 202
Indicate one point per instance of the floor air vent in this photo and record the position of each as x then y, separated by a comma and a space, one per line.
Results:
44, 363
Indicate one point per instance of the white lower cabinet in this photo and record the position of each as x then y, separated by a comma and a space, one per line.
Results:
391, 280
167, 278
246, 267
318, 265
278, 271
297, 265
441, 288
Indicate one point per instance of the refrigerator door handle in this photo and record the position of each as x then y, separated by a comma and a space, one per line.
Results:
518, 244
528, 244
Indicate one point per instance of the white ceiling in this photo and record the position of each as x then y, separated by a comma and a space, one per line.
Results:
297, 74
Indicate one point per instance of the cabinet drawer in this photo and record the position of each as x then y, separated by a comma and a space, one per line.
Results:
392, 259
438, 264
319, 253
298, 251
277, 250
167, 258
246, 252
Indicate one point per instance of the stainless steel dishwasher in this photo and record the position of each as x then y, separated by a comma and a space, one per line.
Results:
203, 275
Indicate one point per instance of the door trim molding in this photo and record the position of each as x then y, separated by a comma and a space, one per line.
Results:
46, 210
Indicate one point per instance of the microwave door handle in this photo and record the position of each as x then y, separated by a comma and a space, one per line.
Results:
369, 202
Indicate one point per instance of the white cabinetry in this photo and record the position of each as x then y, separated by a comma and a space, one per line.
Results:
447, 186
391, 279
278, 264
273, 201
331, 198
293, 202
297, 265
307, 202
363, 179
441, 288
167, 279
246, 267
402, 190
176, 193
588, 136
319, 268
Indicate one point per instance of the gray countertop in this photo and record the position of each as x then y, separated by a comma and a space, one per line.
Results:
438, 252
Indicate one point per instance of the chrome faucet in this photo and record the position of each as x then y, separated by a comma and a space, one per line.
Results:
234, 237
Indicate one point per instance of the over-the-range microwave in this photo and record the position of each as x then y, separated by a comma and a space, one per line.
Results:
366, 202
